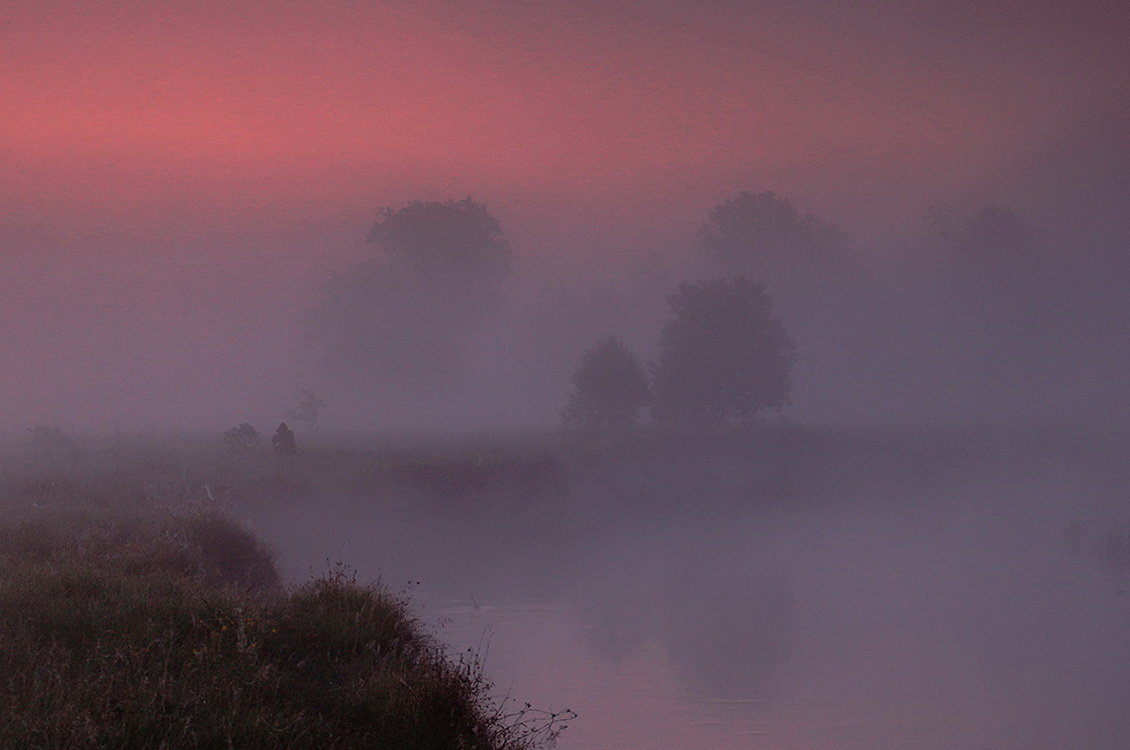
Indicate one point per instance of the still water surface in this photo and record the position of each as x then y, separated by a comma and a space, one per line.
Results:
984, 619
542, 654
1045, 674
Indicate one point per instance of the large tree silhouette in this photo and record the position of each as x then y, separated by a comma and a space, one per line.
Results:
452, 250
723, 355
763, 236
410, 312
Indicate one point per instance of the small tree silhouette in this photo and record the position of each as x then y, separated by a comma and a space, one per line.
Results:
610, 387
242, 437
723, 356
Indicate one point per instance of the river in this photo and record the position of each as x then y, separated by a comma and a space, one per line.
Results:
985, 614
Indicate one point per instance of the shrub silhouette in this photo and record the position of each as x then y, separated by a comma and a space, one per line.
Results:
242, 437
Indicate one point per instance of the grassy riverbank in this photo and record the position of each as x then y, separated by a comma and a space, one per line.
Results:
131, 616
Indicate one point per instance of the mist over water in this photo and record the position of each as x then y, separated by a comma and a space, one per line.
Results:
917, 590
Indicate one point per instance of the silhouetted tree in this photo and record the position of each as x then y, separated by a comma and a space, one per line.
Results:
454, 248
610, 387
410, 310
762, 235
724, 355
242, 437
995, 234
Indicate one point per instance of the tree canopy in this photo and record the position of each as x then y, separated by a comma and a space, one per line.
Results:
993, 234
763, 235
411, 311
451, 247
610, 388
723, 355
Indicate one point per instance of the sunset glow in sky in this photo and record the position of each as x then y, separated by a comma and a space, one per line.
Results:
111, 105
174, 131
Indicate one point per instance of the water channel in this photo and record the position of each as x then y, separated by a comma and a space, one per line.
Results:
986, 615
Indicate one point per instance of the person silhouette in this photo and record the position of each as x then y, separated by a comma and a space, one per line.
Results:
284, 441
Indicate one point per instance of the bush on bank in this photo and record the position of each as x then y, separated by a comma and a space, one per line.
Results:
132, 632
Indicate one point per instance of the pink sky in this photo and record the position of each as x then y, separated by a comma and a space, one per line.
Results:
134, 107
187, 152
